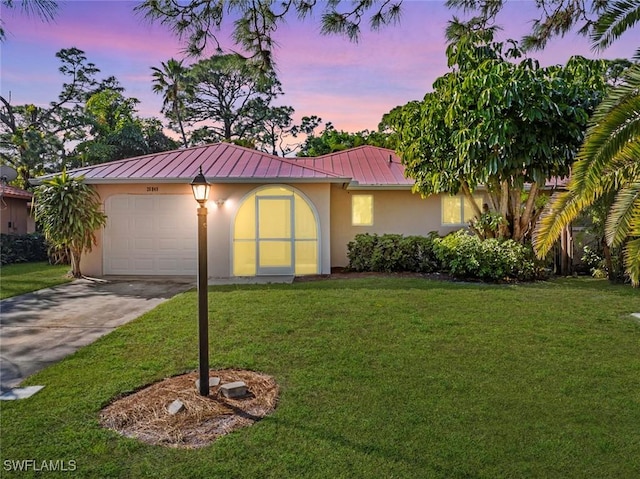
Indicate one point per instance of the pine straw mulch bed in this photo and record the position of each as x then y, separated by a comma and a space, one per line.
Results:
143, 415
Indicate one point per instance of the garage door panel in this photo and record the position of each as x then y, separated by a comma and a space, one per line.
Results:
119, 263
150, 235
144, 244
144, 265
144, 225
169, 244
144, 204
119, 203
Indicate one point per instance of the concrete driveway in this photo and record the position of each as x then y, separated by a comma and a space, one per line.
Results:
41, 328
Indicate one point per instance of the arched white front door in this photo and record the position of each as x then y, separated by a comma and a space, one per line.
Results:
275, 233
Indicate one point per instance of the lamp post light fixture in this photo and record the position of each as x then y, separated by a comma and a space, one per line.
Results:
201, 189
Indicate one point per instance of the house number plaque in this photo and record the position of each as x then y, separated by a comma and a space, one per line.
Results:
152, 189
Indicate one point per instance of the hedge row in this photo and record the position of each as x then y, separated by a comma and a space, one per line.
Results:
22, 248
459, 254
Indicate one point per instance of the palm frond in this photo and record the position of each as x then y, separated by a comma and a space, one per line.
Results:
625, 208
632, 260
558, 213
612, 139
618, 17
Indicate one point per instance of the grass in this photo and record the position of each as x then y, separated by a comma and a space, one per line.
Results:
380, 377
21, 278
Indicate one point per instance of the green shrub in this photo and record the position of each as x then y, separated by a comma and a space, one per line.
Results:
419, 256
392, 253
459, 254
22, 248
465, 256
387, 255
360, 251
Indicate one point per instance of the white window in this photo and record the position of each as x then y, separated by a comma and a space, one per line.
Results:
458, 210
362, 210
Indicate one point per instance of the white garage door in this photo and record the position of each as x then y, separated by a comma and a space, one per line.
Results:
150, 235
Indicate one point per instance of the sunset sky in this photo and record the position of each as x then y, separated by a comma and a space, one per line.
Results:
352, 85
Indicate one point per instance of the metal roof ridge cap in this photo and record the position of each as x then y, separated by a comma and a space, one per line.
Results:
314, 168
351, 149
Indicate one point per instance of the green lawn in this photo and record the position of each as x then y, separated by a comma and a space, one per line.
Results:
379, 378
21, 278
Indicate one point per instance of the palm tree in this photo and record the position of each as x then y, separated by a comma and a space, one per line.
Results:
69, 213
171, 81
608, 161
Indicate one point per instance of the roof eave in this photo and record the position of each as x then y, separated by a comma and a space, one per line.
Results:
186, 181
358, 186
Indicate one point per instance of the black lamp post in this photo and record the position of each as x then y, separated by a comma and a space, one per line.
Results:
201, 189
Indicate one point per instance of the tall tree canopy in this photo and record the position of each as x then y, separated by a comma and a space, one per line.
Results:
32, 138
199, 21
226, 98
230, 94
603, 21
332, 140
90, 122
504, 125
116, 131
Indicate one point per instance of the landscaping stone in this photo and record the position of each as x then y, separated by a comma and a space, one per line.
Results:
213, 382
20, 393
234, 389
175, 407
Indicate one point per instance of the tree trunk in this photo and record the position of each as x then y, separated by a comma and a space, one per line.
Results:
504, 209
611, 274
515, 203
467, 193
526, 219
179, 118
75, 263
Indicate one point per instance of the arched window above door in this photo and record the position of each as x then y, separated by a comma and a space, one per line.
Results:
275, 232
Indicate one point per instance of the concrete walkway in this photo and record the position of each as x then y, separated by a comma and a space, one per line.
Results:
41, 328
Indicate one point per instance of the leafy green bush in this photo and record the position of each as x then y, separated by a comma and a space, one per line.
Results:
459, 254
419, 256
392, 253
466, 256
22, 248
360, 251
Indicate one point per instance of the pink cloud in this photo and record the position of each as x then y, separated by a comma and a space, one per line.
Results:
350, 84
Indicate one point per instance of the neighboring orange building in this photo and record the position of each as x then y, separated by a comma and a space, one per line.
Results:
15, 211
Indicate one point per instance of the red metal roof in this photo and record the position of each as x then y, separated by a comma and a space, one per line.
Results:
361, 167
365, 165
13, 192
221, 162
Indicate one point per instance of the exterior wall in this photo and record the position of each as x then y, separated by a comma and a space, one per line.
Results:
15, 219
220, 220
394, 211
